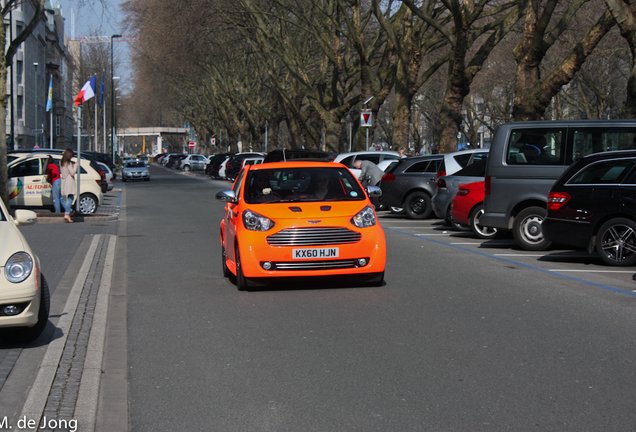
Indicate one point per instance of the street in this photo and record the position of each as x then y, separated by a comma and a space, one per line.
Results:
464, 335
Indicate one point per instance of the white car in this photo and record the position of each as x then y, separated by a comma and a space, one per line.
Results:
24, 293
348, 159
110, 180
28, 186
455, 161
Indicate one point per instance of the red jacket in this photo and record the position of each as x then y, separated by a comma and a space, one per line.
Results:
52, 173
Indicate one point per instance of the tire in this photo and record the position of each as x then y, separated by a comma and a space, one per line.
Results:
147, 179
527, 229
87, 204
123, 179
418, 205
186, 168
451, 222
242, 283
480, 231
29, 334
226, 271
616, 242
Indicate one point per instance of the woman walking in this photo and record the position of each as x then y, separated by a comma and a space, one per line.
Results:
67, 172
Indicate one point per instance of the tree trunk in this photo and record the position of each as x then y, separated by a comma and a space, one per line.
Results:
624, 12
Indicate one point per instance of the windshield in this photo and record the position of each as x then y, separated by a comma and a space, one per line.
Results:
135, 165
301, 185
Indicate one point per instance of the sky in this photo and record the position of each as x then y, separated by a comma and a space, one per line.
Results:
97, 18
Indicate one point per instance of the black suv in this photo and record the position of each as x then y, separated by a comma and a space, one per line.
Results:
593, 205
410, 184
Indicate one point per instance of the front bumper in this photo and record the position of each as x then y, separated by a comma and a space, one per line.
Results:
25, 295
260, 259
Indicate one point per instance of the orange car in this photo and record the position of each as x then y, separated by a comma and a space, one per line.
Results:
294, 219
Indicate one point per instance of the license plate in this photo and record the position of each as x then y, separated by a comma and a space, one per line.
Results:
316, 253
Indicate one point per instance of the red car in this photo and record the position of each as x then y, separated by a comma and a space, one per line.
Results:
468, 206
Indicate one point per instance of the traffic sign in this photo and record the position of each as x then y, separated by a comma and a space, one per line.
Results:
366, 118
191, 144
213, 140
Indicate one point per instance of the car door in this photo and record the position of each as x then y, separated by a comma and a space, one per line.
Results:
232, 218
26, 183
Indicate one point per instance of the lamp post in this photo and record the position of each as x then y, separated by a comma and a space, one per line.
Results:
112, 90
35, 129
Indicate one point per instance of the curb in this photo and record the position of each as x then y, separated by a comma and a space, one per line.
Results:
77, 218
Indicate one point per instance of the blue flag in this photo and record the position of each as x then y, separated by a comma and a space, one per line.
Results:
101, 96
49, 101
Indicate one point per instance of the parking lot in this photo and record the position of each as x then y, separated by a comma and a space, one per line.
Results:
572, 264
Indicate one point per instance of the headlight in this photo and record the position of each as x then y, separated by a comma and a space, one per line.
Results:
255, 222
18, 267
364, 218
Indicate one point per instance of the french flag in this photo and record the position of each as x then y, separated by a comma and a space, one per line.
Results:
87, 92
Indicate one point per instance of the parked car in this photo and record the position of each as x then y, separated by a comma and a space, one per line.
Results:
110, 178
261, 239
283, 155
24, 293
173, 158
230, 169
28, 187
348, 159
455, 161
215, 163
144, 158
236, 163
467, 208
193, 162
136, 170
446, 187
410, 185
525, 160
593, 206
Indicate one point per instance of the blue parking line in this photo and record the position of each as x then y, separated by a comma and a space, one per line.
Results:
121, 189
605, 287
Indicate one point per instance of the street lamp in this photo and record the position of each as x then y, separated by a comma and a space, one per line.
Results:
35, 129
112, 91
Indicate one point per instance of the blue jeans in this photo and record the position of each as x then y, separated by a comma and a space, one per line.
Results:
56, 194
67, 201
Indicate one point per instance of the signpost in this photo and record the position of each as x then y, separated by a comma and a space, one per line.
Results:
366, 120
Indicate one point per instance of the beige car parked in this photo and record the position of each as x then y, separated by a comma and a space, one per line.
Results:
24, 293
28, 187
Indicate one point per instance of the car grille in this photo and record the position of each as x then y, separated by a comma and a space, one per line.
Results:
313, 237
315, 265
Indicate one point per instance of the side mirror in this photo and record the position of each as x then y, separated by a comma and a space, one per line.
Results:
226, 196
374, 191
25, 217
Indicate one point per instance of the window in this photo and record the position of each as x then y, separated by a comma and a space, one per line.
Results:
418, 167
604, 172
462, 159
27, 168
19, 107
373, 158
19, 69
536, 147
595, 140
58, 125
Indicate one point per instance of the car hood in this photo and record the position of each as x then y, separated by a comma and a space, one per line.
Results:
12, 241
310, 210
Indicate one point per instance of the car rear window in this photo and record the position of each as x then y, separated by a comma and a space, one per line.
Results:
462, 159
604, 172
418, 167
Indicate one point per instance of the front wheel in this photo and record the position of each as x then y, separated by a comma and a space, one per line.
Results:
527, 229
418, 205
88, 204
242, 283
616, 242
226, 271
478, 229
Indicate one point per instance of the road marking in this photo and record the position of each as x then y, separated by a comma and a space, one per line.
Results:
519, 255
432, 234
86, 406
467, 243
594, 271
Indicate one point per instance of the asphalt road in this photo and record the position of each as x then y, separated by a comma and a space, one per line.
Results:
465, 335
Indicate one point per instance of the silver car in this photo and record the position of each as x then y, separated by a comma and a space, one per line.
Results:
135, 170
446, 187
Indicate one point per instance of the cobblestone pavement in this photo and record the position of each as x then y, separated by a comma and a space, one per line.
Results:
68, 333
